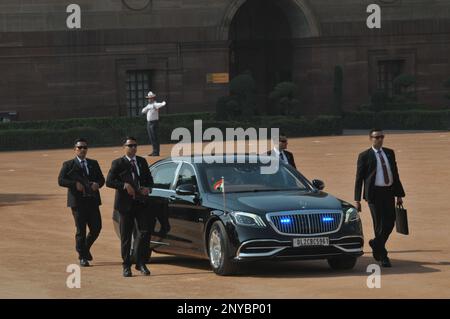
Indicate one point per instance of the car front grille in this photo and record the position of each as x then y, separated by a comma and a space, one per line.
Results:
306, 222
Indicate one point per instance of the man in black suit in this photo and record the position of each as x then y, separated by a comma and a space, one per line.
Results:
131, 177
377, 170
83, 178
280, 150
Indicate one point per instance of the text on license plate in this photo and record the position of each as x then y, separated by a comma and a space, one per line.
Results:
316, 241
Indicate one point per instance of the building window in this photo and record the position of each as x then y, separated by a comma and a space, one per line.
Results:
138, 85
388, 70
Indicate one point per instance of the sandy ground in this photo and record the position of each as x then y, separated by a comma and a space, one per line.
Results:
37, 232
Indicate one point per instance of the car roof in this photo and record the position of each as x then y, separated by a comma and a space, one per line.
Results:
198, 159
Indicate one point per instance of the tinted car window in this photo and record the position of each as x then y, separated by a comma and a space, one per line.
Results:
186, 175
163, 175
247, 177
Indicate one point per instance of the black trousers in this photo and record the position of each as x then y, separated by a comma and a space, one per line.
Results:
152, 130
89, 216
140, 217
382, 209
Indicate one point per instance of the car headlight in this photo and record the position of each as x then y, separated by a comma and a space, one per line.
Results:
351, 215
247, 219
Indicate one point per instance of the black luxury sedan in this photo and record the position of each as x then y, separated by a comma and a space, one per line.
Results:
250, 216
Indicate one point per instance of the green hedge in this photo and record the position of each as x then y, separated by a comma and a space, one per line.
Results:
398, 120
102, 122
109, 132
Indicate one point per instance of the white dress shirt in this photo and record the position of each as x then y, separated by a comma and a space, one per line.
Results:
152, 110
379, 178
283, 157
85, 164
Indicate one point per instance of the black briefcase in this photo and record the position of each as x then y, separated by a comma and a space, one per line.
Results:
401, 220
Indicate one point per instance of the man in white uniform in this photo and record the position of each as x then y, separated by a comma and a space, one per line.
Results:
152, 111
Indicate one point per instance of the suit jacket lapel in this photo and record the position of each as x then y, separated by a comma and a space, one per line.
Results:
372, 162
78, 164
138, 163
90, 167
127, 165
126, 162
389, 157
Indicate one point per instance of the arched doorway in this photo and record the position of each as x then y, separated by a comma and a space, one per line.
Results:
260, 42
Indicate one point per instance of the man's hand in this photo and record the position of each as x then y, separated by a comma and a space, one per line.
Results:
399, 201
358, 206
80, 187
145, 191
95, 187
130, 190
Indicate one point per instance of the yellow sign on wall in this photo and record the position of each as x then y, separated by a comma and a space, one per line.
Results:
217, 78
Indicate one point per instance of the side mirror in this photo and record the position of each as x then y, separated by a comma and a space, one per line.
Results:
186, 189
320, 185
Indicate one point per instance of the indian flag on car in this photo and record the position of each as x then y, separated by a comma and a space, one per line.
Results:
220, 185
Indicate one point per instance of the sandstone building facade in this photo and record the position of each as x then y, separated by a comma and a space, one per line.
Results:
126, 47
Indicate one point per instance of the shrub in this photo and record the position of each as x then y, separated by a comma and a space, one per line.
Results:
243, 94
399, 120
283, 99
403, 86
111, 133
102, 122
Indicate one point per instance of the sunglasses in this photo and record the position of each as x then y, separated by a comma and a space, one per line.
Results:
283, 141
82, 147
131, 145
378, 137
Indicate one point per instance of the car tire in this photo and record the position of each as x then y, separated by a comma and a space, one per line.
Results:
342, 262
218, 247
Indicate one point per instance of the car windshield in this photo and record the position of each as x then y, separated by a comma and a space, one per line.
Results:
247, 177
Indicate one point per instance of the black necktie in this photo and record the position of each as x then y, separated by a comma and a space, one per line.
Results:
134, 169
83, 166
385, 172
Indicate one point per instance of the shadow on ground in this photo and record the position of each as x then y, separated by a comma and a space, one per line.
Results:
299, 269
17, 199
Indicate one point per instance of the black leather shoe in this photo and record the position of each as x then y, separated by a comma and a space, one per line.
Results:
127, 272
143, 269
84, 262
385, 262
375, 255
89, 256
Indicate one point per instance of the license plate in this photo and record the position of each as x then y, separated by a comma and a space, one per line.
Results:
317, 241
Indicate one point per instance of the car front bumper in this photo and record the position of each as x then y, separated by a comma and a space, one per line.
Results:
270, 248
265, 243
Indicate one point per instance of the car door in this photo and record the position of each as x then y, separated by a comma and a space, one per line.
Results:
164, 178
186, 213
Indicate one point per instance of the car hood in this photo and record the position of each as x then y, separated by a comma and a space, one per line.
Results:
264, 202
